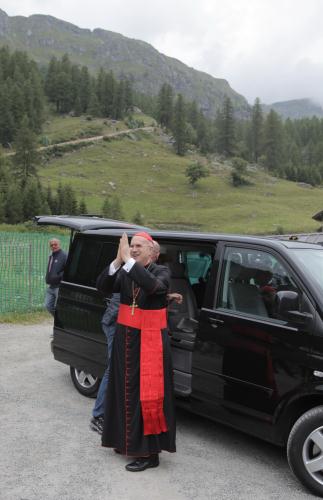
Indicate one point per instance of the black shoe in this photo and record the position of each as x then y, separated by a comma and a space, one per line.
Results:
96, 424
143, 463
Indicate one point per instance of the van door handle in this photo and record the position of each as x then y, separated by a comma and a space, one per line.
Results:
215, 322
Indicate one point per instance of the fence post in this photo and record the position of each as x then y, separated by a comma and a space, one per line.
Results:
30, 275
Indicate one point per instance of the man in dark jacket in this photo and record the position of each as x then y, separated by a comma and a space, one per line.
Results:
54, 274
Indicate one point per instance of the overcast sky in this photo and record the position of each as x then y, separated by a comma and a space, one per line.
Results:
272, 49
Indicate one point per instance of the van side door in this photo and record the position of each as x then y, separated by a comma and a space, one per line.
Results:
78, 337
248, 359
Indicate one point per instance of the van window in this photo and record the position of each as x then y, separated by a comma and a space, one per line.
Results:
250, 280
88, 259
197, 265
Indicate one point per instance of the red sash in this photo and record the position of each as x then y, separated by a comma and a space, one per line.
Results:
150, 322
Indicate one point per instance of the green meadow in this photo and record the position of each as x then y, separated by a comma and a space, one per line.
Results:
143, 171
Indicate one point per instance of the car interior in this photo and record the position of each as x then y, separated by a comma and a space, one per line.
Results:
189, 269
251, 280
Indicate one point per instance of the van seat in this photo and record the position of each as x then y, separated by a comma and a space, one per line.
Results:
177, 313
246, 298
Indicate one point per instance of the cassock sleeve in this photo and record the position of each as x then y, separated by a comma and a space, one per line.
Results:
156, 282
107, 283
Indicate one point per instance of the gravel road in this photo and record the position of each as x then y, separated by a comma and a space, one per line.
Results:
49, 453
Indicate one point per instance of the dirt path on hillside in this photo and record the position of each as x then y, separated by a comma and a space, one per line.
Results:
89, 139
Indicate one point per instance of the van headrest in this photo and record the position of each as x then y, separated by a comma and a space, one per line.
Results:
235, 270
177, 270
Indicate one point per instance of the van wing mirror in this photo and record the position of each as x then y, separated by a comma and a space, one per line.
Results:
287, 306
286, 300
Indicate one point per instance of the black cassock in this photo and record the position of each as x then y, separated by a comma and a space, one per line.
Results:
123, 421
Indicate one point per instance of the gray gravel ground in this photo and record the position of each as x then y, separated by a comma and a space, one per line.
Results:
47, 451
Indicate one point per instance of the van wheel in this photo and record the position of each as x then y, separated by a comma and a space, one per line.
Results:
305, 449
84, 382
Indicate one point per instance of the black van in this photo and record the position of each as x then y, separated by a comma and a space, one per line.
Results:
247, 341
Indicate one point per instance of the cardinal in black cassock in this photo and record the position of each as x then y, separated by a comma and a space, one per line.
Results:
139, 418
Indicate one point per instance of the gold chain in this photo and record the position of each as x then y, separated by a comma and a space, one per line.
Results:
135, 293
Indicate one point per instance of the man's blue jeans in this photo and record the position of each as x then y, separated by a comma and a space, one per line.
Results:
51, 299
109, 327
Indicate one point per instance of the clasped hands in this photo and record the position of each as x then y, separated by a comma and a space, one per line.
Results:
123, 251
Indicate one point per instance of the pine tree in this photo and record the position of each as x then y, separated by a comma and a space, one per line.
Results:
257, 130
32, 200
128, 96
84, 89
165, 106
193, 115
26, 157
51, 81
75, 77
273, 143
77, 107
94, 105
60, 200
13, 206
226, 129
203, 134
116, 209
179, 126
7, 122
69, 204
17, 103
110, 89
45, 208
106, 91
61, 85
5, 176
64, 92
34, 96
5, 61
119, 102
82, 207
2, 208
106, 208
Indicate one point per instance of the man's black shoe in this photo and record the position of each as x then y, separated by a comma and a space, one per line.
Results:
143, 463
96, 424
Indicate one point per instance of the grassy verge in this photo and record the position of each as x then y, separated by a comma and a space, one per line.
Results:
27, 318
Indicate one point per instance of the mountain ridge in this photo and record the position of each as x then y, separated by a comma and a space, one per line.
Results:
45, 36
296, 108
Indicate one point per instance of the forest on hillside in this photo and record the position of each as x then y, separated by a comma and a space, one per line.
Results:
290, 149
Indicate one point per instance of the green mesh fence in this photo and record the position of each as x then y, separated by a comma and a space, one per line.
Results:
23, 264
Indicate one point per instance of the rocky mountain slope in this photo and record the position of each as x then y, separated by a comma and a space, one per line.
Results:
296, 108
45, 36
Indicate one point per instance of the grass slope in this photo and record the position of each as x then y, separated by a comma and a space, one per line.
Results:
148, 177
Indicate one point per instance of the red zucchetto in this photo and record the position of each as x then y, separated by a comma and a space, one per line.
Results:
145, 235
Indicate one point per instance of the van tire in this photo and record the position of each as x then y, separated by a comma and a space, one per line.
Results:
86, 383
305, 444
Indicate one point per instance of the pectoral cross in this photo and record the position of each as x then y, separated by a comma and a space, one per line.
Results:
133, 305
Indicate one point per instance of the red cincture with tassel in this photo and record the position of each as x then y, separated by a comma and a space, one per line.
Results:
150, 323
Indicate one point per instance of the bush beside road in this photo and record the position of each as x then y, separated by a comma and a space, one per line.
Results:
49, 453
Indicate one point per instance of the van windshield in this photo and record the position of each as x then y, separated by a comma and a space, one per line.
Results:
312, 261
